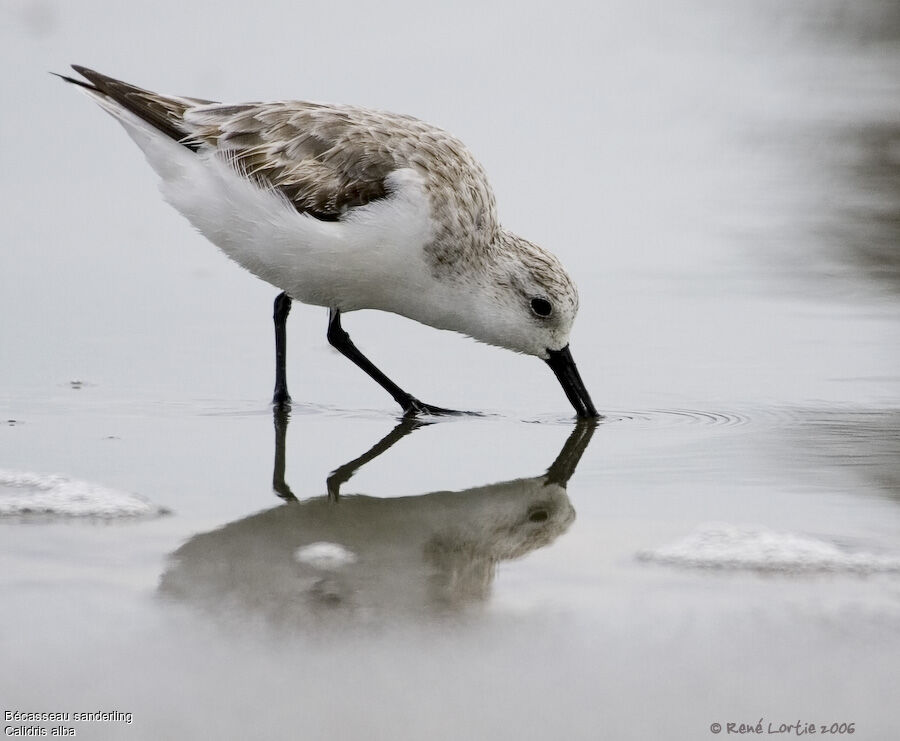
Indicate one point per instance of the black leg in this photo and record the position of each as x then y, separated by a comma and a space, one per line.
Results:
340, 340
281, 398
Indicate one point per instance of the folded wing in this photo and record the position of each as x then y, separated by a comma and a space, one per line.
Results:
324, 160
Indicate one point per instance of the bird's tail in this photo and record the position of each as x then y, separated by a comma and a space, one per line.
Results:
164, 113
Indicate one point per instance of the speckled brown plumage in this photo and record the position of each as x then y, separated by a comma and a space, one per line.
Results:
327, 159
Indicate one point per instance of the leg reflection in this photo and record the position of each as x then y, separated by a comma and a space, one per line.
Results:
281, 416
341, 475
559, 473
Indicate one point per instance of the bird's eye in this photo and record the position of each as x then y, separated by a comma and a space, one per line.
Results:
541, 306
538, 514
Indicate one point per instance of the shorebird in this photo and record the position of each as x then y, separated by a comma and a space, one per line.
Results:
350, 208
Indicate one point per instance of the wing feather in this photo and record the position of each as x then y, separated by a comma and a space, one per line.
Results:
325, 160
321, 158
163, 112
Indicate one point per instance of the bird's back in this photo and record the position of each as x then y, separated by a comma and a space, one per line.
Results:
324, 158
325, 163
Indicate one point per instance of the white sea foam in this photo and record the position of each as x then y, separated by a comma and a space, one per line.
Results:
324, 555
34, 494
723, 546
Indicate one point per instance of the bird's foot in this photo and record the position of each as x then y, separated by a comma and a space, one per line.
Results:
281, 402
413, 407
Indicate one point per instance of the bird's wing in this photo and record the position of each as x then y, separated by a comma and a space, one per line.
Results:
323, 159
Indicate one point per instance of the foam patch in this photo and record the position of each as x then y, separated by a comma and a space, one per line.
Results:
722, 546
24, 494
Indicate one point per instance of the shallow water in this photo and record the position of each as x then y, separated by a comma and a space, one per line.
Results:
724, 546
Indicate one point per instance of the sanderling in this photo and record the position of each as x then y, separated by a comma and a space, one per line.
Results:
350, 208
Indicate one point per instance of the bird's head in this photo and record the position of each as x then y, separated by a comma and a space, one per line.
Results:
532, 303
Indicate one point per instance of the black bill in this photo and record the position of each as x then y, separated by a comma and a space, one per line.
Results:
564, 367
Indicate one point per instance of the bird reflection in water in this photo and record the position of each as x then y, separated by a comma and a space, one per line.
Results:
367, 558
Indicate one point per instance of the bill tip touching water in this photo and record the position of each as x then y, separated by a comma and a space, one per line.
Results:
350, 208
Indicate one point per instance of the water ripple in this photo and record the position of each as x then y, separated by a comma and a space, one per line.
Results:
671, 417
